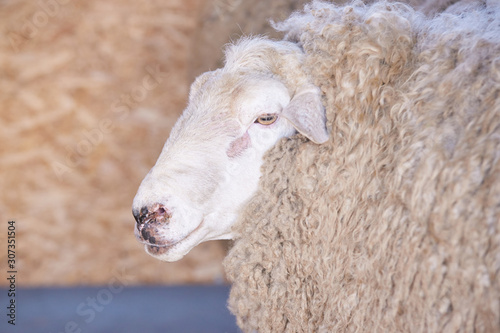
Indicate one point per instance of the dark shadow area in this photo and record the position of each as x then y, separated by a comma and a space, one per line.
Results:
117, 309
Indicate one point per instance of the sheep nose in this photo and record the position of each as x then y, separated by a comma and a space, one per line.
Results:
156, 213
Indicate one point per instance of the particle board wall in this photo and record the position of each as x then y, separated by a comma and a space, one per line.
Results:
89, 91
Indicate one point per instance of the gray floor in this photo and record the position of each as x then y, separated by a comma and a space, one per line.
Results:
188, 309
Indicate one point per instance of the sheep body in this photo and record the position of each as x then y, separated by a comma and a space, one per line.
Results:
393, 225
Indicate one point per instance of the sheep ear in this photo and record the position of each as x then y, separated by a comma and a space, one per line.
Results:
307, 114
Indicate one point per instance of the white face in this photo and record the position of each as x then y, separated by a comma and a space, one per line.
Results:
210, 165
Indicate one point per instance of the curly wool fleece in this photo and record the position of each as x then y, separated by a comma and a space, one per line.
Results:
394, 224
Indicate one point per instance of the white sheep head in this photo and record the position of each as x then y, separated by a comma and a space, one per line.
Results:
210, 165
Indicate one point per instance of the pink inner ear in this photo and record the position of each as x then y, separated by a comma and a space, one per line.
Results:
239, 145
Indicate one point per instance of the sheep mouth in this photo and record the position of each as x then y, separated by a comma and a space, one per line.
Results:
155, 249
158, 249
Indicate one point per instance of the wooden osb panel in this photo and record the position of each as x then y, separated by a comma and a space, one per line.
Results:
90, 90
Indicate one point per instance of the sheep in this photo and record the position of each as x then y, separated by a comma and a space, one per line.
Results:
356, 166
393, 225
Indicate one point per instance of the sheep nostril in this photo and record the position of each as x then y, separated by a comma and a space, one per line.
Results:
137, 216
141, 216
156, 213
159, 213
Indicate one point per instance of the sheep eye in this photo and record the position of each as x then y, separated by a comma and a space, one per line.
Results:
266, 119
